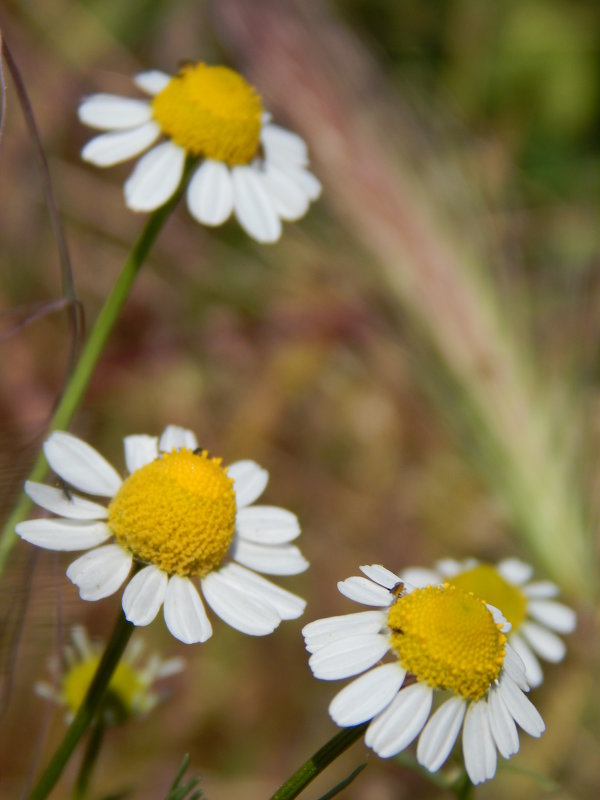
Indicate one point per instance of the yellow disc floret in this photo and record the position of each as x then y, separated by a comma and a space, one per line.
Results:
211, 112
125, 690
448, 639
177, 512
485, 581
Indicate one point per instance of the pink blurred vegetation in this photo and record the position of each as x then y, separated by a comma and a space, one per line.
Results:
415, 363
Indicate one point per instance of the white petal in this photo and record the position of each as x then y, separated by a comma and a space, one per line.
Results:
419, 577
81, 641
346, 657
545, 643
235, 607
144, 595
286, 604
164, 669
109, 112
139, 451
282, 559
175, 438
555, 616
479, 749
322, 632
367, 696
533, 669
502, 725
515, 666
100, 572
384, 577
152, 81
515, 571
155, 178
65, 505
520, 707
267, 525
289, 199
448, 567
77, 463
440, 733
47, 691
499, 618
184, 612
283, 147
397, 726
113, 148
253, 207
249, 481
541, 590
210, 193
63, 534
365, 591
310, 185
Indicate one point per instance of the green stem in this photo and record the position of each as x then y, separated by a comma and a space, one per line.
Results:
86, 364
317, 762
108, 663
462, 787
89, 758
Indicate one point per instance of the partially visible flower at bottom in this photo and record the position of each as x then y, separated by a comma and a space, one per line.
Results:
449, 648
530, 606
131, 691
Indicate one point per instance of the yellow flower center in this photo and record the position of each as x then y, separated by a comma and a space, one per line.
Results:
448, 639
124, 690
485, 581
177, 512
211, 112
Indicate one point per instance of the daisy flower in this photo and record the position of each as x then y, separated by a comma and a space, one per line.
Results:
179, 516
447, 647
129, 693
528, 605
248, 166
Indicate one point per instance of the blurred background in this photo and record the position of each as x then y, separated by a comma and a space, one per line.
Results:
416, 363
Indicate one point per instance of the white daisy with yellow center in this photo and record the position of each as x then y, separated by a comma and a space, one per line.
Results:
446, 646
131, 691
249, 166
536, 618
181, 518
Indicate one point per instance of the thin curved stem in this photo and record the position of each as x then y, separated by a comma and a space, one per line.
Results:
108, 663
48, 189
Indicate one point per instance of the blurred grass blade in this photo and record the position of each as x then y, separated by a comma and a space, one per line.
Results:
178, 792
346, 782
405, 203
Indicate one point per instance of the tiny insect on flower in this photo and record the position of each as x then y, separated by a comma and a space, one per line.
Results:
438, 644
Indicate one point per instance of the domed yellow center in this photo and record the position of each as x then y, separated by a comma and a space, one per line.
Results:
485, 581
177, 512
124, 690
211, 112
448, 639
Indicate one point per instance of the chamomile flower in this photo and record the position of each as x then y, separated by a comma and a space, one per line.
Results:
180, 518
248, 166
536, 618
444, 646
130, 692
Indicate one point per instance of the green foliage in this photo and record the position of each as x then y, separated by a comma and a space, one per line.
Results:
184, 791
